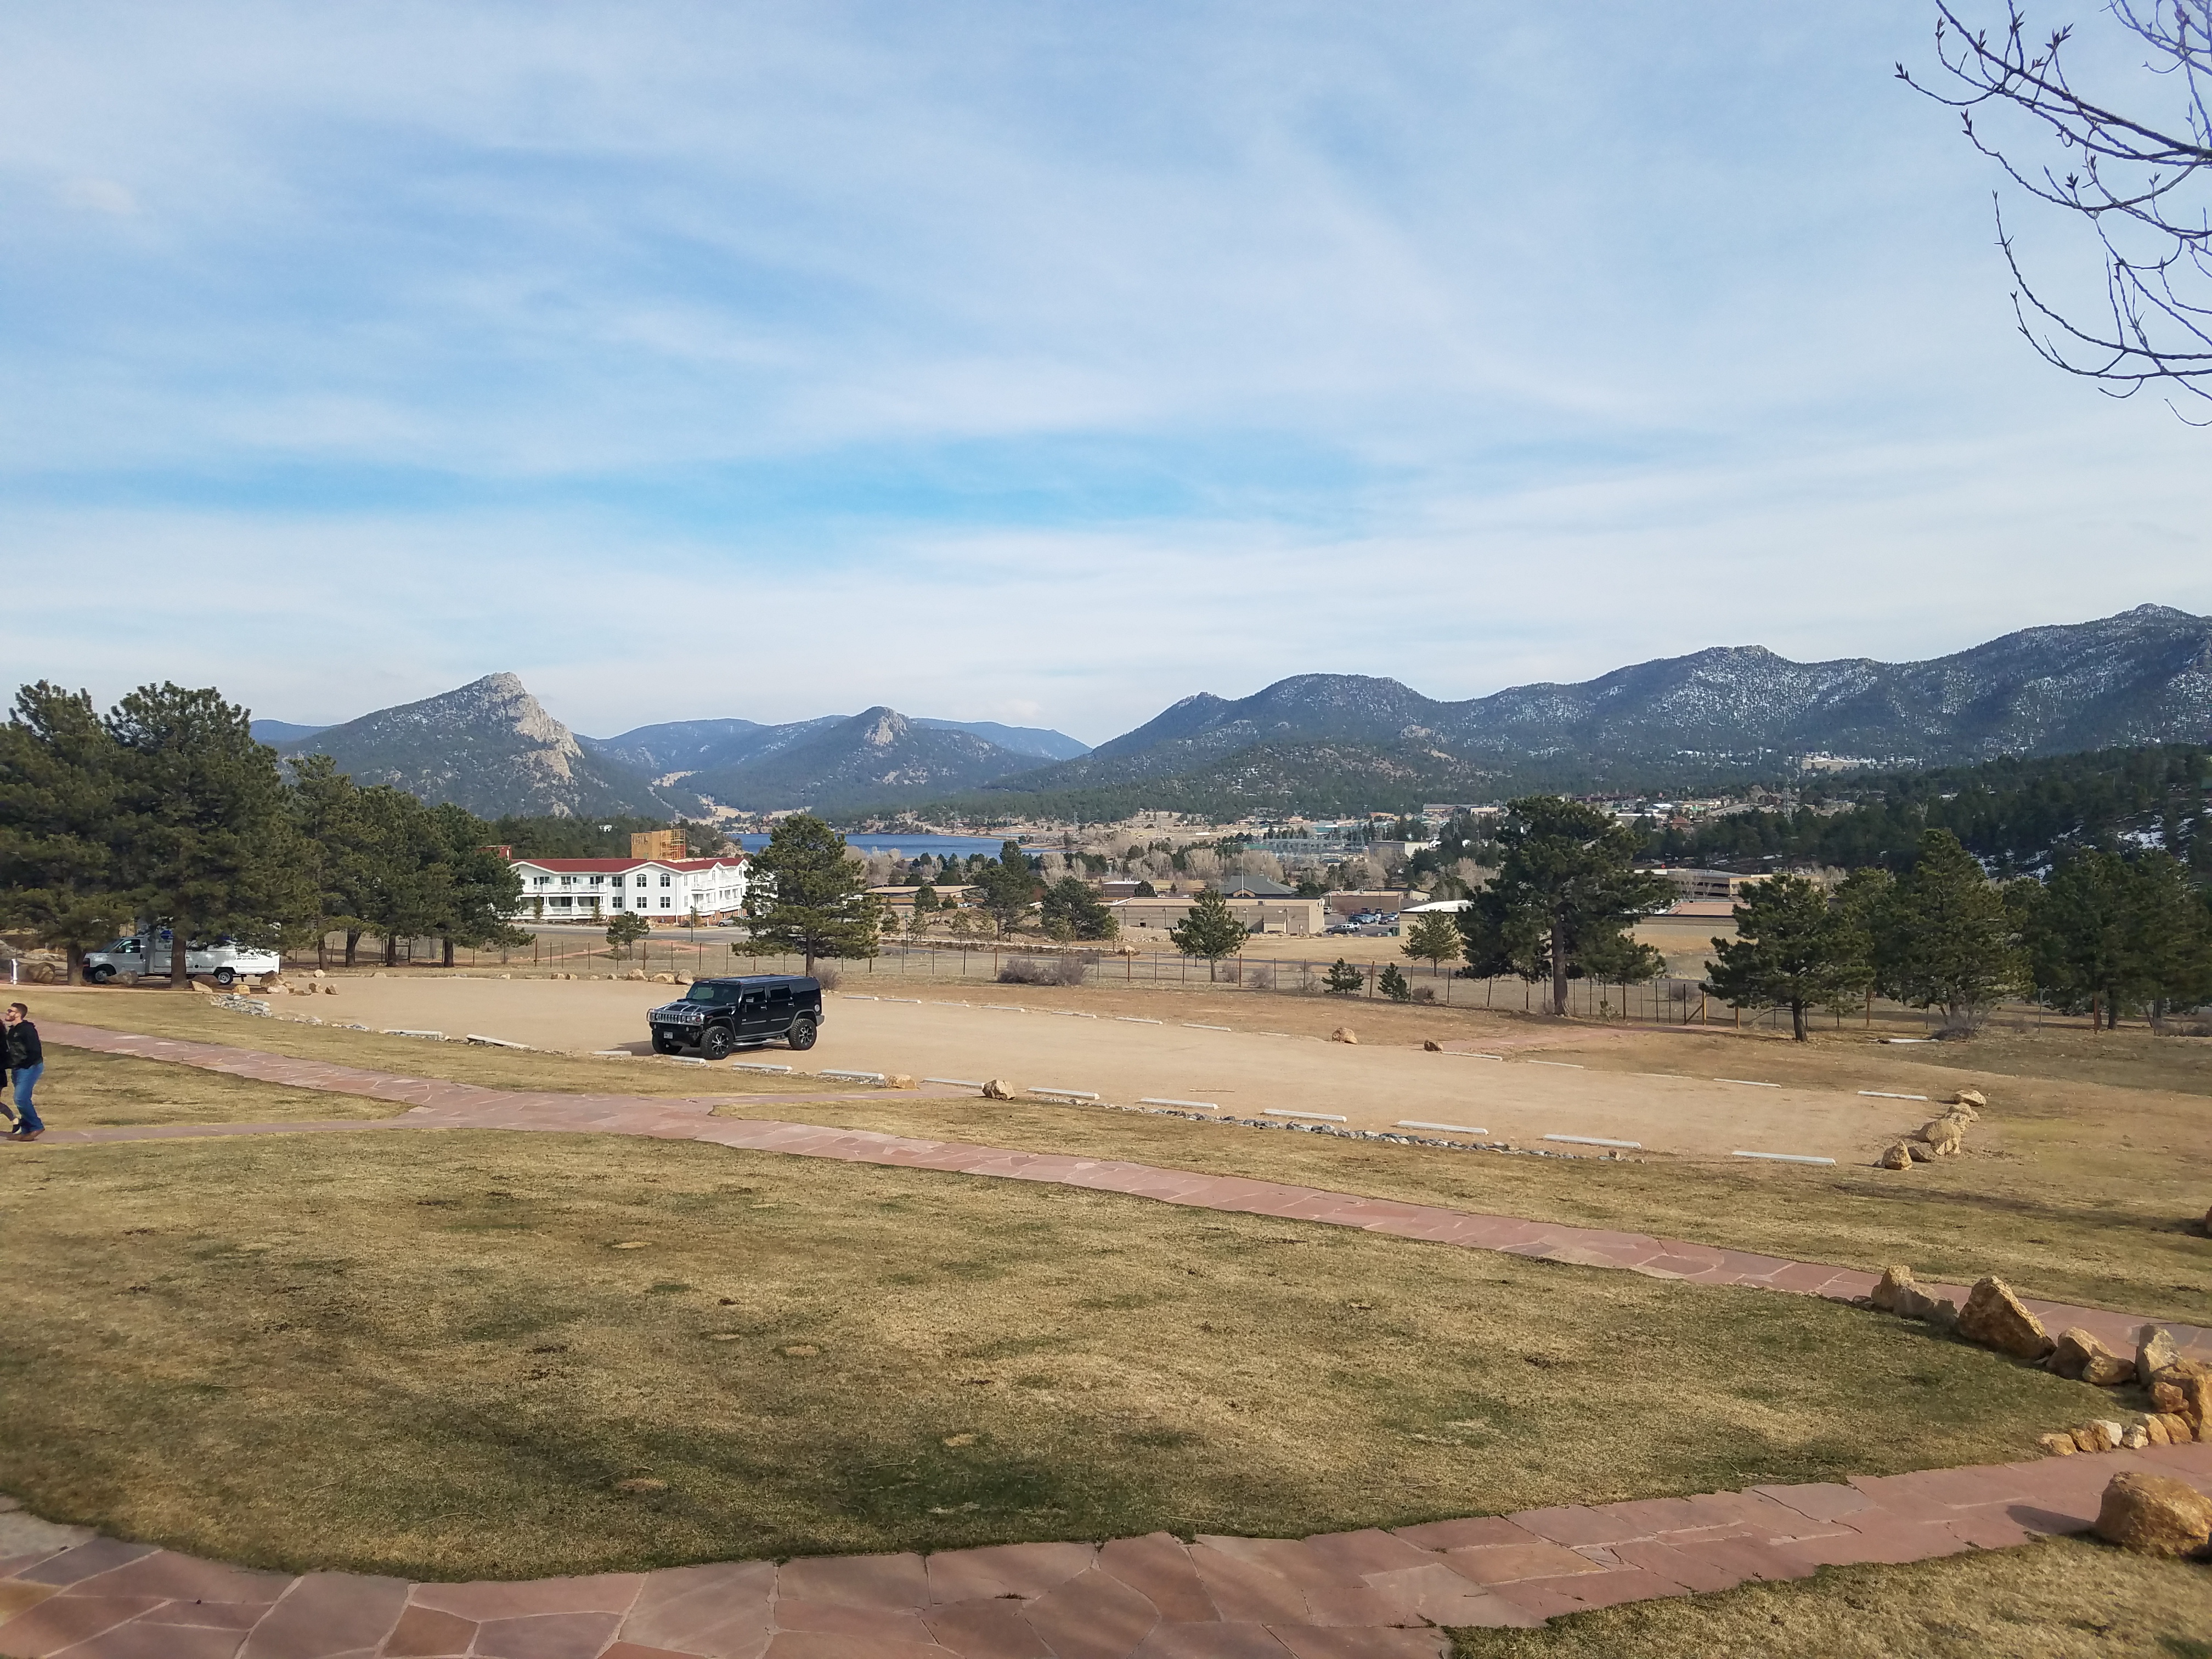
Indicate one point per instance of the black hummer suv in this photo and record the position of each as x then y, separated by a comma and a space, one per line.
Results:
717, 1015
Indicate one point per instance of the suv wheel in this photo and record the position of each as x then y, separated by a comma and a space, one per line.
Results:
663, 1045
802, 1033
715, 1045
225, 976
100, 975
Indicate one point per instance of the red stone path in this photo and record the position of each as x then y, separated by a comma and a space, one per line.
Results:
1369, 1594
68, 1594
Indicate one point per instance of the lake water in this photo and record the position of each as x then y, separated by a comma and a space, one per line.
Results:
906, 847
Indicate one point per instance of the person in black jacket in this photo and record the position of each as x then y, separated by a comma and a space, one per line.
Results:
26, 1061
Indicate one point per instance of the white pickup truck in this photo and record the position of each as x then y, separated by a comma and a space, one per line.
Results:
221, 962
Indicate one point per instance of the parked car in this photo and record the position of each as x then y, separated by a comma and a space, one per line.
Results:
716, 1016
223, 962
1335, 928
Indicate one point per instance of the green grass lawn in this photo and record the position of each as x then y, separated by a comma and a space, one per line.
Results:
2060, 1599
431, 1354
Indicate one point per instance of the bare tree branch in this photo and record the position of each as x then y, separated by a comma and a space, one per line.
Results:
2141, 185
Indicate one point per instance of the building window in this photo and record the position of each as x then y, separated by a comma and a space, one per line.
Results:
665, 880
614, 881
540, 881
568, 881
595, 881
666, 902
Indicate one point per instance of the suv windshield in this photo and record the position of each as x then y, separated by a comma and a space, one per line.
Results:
711, 994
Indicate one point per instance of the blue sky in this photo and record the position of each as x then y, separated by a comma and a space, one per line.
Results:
1041, 363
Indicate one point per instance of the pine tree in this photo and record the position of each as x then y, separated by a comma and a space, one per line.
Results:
1567, 887
1793, 949
806, 896
60, 880
624, 929
1435, 938
2111, 935
1945, 936
1209, 929
1343, 979
1009, 886
204, 828
1393, 985
1071, 908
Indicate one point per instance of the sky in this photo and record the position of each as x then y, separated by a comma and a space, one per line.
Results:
1039, 362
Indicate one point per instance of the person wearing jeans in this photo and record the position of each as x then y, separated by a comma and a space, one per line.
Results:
27, 1060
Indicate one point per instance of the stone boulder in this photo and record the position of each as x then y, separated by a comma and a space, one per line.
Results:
1893, 1279
2057, 1445
899, 1080
2153, 1514
2110, 1431
2081, 1357
2154, 1428
1946, 1137
2085, 1439
2177, 1431
2154, 1353
1343, 1034
1993, 1317
1973, 1099
1896, 1156
1429, 1045
998, 1089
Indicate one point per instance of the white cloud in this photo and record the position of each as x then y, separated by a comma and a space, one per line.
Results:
1074, 359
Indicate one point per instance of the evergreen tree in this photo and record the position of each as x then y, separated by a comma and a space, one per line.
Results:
204, 828
405, 889
480, 888
807, 896
1343, 979
1393, 984
336, 830
59, 878
624, 929
1567, 878
1434, 938
1793, 949
1209, 929
1071, 908
2109, 936
1945, 936
1010, 887
1146, 890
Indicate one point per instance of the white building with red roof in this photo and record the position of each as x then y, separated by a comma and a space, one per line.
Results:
660, 889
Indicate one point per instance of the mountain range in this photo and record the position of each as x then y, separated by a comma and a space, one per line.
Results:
1322, 743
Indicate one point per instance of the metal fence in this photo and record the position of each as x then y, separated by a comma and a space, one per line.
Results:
1668, 1001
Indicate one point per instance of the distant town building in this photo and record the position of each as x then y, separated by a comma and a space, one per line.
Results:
1701, 886
660, 889
1297, 917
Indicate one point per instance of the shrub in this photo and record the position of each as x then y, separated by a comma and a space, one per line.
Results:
829, 974
1261, 977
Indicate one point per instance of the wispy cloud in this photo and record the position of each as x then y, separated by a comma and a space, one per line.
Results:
978, 358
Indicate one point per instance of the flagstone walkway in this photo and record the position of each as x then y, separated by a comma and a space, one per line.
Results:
66, 1593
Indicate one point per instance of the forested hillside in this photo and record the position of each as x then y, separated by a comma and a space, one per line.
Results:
2014, 815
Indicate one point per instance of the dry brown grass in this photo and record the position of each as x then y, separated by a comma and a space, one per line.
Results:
82, 1089
2106, 1226
2061, 1599
195, 1018
427, 1354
